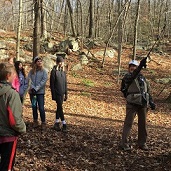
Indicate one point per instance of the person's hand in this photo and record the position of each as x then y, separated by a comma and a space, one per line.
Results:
143, 62
152, 105
65, 98
33, 91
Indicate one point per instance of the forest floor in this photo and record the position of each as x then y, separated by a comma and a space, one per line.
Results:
95, 111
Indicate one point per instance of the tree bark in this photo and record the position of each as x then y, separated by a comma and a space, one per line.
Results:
36, 29
18, 31
91, 19
71, 18
82, 29
136, 30
120, 35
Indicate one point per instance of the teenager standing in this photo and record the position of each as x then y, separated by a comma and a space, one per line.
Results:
58, 86
11, 121
23, 81
38, 77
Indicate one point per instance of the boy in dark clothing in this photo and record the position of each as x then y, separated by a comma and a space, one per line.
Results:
58, 86
135, 89
11, 122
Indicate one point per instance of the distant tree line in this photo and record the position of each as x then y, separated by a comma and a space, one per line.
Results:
92, 18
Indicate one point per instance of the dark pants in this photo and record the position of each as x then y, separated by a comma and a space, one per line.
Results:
7, 152
40, 105
131, 112
22, 99
59, 111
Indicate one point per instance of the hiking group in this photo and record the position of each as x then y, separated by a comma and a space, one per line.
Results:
14, 85
13, 88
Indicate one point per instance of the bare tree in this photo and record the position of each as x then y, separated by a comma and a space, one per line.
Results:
136, 29
111, 35
82, 30
71, 18
36, 29
18, 31
120, 35
91, 20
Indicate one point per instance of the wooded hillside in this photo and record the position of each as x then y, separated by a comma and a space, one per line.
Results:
95, 109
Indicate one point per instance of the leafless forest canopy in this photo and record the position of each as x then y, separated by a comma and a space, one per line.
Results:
154, 17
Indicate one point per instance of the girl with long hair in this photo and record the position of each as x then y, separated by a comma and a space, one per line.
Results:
22, 79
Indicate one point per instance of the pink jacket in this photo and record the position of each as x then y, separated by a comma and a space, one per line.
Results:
16, 84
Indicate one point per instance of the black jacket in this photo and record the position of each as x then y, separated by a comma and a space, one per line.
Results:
58, 82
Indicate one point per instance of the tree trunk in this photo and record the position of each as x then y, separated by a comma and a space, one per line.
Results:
60, 14
120, 35
82, 30
36, 30
65, 21
91, 19
18, 31
136, 30
71, 18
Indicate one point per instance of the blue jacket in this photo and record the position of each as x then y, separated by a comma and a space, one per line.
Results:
23, 84
38, 80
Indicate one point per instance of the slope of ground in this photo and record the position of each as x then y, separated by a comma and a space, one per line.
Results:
95, 112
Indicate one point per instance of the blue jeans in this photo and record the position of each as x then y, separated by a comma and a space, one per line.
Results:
40, 104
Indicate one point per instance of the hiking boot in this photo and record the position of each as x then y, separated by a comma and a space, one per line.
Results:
35, 124
43, 126
64, 128
56, 126
144, 147
126, 147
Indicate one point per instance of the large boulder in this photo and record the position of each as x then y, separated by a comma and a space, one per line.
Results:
83, 59
49, 62
111, 53
70, 43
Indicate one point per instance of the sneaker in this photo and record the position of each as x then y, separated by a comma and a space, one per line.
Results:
43, 126
64, 128
56, 126
35, 124
144, 147
126, 147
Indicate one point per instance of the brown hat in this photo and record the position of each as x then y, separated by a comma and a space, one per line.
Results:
59, 59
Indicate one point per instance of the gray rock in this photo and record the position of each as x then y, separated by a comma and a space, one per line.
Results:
48, 63
83, 59
3, 45
111, 53
163, 80
77, 67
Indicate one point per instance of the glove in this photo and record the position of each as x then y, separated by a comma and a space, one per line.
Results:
33, 91
152, 105
65, 98
143, 62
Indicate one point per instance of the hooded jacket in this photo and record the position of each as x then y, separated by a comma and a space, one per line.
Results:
38, 80
58, 82
11, 122
23, 84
